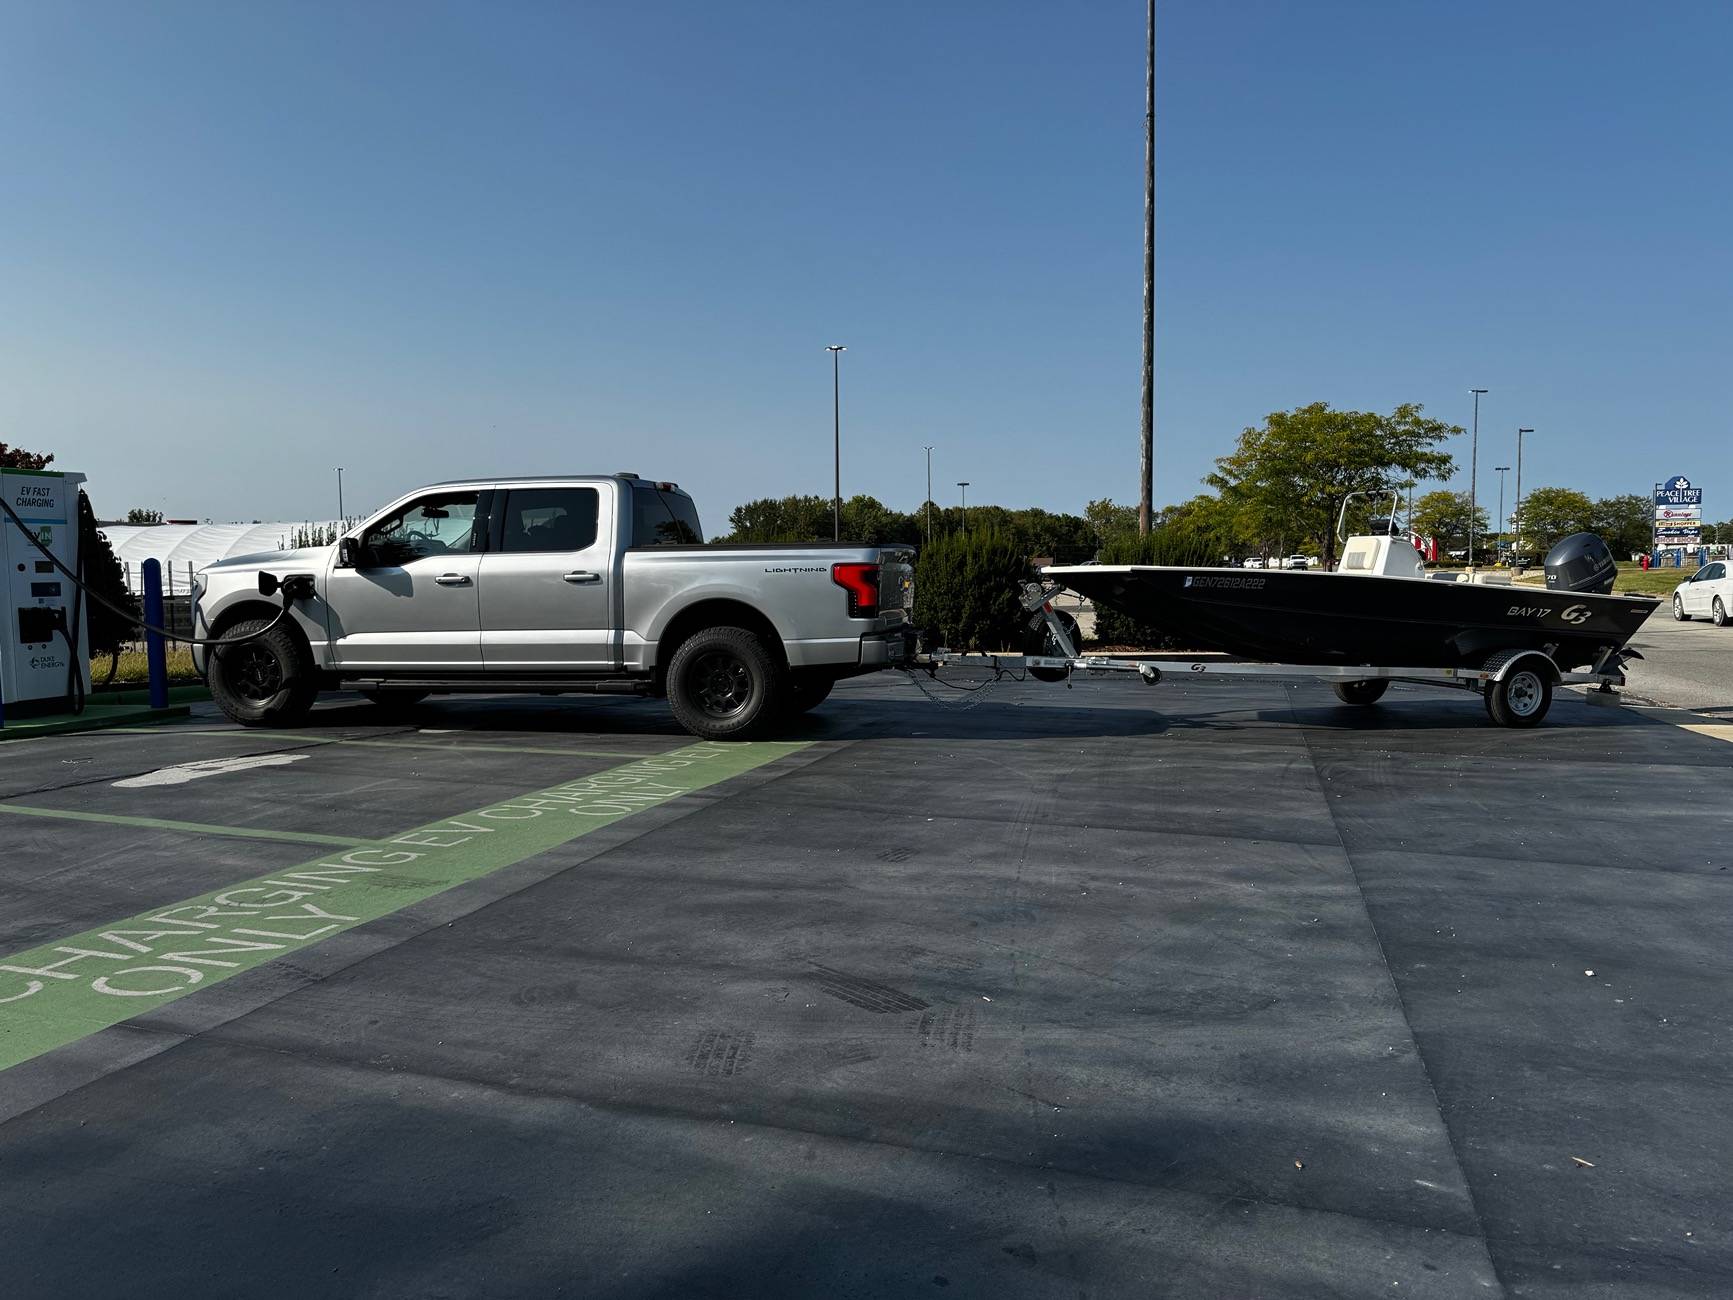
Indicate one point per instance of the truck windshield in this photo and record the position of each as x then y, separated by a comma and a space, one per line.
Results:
664, 517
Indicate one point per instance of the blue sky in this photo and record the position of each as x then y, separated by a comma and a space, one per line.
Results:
243, 244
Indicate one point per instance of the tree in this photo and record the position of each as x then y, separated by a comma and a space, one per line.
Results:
1287, 479
139, 515
1625, 523
18, 458
107, 631
1445, 515
1550, 513
1109, 519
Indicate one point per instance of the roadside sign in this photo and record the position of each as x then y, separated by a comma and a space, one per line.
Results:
1677, 491
1666, 513
1678, 537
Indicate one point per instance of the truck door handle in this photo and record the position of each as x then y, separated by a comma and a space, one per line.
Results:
583, 575
453, 580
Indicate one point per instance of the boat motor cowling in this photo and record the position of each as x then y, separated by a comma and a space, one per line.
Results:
1581, 562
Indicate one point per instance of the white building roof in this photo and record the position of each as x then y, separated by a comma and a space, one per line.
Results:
184, 549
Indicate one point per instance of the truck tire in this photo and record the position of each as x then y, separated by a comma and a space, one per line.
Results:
1367, 692
725, 684
805, 693
1521, 698
268, 681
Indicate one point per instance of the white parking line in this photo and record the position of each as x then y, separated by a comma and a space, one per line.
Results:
181, 773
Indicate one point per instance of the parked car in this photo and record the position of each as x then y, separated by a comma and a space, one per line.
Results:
1255, 562
595, 585
1299, 562
1707, 593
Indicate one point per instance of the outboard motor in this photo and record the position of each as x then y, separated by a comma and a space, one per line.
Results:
1581, 562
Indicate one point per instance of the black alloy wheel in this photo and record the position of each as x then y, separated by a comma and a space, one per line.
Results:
722, 684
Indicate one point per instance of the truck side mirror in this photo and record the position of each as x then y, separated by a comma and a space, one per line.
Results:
348, 553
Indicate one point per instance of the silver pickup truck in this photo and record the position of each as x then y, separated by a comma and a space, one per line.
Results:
553, 586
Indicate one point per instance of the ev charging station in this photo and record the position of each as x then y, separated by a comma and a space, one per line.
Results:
36, 661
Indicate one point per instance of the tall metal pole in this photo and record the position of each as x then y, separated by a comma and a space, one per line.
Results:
1146, 496
1501, 471
929, 510
964, 484
340, 515
1474, 474
835, 350
1517, 508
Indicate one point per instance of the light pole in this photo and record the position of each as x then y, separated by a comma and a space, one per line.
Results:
1146, 488
964, 484
1473, 473
340, 515
1517, 508
929, 508
835, 350
1501, 471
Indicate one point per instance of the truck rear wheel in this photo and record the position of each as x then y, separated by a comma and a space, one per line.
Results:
267, 681
724, 684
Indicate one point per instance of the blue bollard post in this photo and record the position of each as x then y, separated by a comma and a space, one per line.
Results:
155, 658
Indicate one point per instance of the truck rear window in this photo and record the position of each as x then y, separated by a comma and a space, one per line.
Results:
661, 517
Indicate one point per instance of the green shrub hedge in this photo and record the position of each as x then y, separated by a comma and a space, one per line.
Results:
1114, 628
967, 590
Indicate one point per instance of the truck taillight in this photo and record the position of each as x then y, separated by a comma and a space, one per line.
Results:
861, 581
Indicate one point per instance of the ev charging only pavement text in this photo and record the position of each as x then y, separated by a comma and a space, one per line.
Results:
59, 993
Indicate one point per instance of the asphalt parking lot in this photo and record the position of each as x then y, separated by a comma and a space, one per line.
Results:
1214, 989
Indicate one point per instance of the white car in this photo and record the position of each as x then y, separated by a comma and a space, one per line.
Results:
1297, 562
1256, 562
1707, 593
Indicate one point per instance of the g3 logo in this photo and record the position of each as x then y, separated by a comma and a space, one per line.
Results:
1575, 614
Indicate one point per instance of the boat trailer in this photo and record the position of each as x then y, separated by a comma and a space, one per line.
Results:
1516, 685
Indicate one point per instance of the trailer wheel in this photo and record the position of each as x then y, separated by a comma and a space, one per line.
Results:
1041, 641
724, 684
1367, 692
1521, 698
267, 681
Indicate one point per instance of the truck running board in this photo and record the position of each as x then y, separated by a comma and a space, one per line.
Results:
491, 685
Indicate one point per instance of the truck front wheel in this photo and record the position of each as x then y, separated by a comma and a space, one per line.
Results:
267, 681
724, 684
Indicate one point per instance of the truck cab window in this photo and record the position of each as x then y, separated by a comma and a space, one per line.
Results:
550, 519
434, 525
664, 518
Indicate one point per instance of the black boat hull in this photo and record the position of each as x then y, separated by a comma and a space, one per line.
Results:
1290, 616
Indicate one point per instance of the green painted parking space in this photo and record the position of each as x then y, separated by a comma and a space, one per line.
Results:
57, 993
